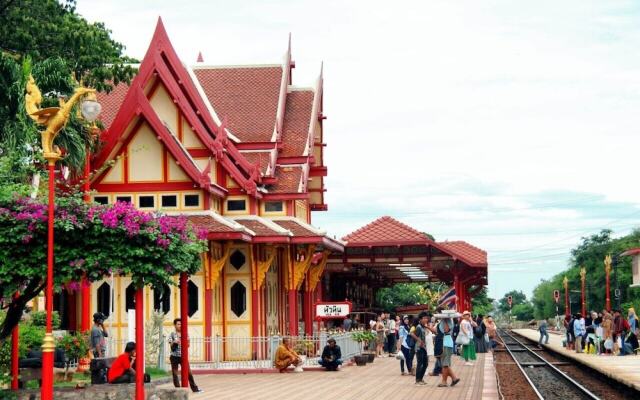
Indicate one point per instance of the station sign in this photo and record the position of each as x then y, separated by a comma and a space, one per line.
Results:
333, 310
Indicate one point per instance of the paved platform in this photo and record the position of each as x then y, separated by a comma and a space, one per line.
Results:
624, 369
378, 380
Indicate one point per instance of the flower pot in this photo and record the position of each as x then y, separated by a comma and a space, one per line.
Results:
83, 364
371, 357
360, 360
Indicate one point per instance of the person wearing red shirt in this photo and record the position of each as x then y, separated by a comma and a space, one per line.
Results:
121, 370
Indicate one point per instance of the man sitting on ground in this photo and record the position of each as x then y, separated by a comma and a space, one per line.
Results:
121, 370
331, 356
286, 356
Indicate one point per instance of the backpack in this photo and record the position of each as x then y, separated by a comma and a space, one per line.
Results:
410, 340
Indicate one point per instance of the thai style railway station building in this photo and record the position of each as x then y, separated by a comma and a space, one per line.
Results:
239, 151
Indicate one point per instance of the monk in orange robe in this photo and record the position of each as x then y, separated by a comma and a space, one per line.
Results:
286, 356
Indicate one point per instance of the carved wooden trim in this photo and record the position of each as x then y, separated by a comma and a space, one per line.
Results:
315, 272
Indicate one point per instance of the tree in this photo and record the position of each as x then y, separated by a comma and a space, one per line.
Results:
482, 303
517, 296
523, 311
150, 249
590, 254
46, 29
405, 294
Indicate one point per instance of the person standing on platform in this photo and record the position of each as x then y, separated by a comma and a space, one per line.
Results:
346, 324
379, 329
98, 333
176, 357
478, 333
542, 328
607, 332
492, 331
578, 331
444, 330
420, 337
406, 343
620, 329
633, 321
391, 335
465, 337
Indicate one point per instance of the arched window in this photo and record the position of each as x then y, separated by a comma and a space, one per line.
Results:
104, 299
162, 299
238, 298
192, 293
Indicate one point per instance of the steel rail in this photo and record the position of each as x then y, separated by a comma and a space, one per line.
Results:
566, 377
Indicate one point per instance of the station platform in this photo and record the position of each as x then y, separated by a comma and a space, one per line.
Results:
622, 369
378, 380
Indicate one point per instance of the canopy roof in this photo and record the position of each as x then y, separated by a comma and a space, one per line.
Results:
397, 252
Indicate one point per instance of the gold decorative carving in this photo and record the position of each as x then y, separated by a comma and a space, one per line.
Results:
53, 118
301, 267
607, 264
262, 267
315, 272
216, 265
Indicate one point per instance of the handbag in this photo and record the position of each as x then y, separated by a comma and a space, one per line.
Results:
462, 339
486, 337
400, 356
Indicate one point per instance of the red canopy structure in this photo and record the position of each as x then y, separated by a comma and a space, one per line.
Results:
386, 251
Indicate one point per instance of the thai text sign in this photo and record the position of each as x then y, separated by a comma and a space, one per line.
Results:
332, 310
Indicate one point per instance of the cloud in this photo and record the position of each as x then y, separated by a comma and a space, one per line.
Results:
512, 125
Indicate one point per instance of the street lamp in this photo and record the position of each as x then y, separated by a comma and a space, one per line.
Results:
54, 119
607, 272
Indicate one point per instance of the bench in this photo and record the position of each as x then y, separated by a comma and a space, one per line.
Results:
99, 367
30, 367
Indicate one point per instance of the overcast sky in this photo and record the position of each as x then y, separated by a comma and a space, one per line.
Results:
512, 125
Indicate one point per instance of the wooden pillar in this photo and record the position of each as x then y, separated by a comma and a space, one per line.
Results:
85, 286
184, 330
307, 301
139, 344
293, 312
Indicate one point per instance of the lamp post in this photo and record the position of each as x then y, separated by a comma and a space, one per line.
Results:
583, 275
607, 272
565, 283
616, 292
54, 120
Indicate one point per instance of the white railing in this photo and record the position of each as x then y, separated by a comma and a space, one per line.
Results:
220, 352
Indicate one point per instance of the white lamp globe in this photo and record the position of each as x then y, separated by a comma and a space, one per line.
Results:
90, 110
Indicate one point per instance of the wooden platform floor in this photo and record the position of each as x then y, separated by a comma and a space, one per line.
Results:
624, 369
378, 380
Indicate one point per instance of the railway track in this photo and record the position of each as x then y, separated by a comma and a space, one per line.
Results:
547, 381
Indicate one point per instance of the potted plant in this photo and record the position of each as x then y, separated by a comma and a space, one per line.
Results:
360, 337
370, 339
304, 348
75, 346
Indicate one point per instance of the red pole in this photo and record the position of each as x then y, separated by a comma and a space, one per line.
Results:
567, 311
139, 344
584, 306
184, 330
48, 345
607, 305
85, 291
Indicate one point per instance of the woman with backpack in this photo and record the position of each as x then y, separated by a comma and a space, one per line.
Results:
406, 345
479, 332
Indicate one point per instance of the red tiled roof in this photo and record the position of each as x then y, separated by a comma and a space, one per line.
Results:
246, 96
287, 179
296, 228
465, 252
208, 223
111, 103
295, 134
631, 252
258, 227
261, 158
385, 230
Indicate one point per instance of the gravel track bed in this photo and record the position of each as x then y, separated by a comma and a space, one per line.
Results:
551, 386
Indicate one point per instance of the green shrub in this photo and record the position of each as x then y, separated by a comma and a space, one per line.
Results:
39, 318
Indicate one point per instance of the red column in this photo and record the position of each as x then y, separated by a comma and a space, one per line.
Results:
184, 330
293, 312
48, 347
15, 339
456, 287
208, 312
584, 305
308, 328
139, 344
607, 304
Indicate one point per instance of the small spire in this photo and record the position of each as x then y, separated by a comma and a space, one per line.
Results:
200, 58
